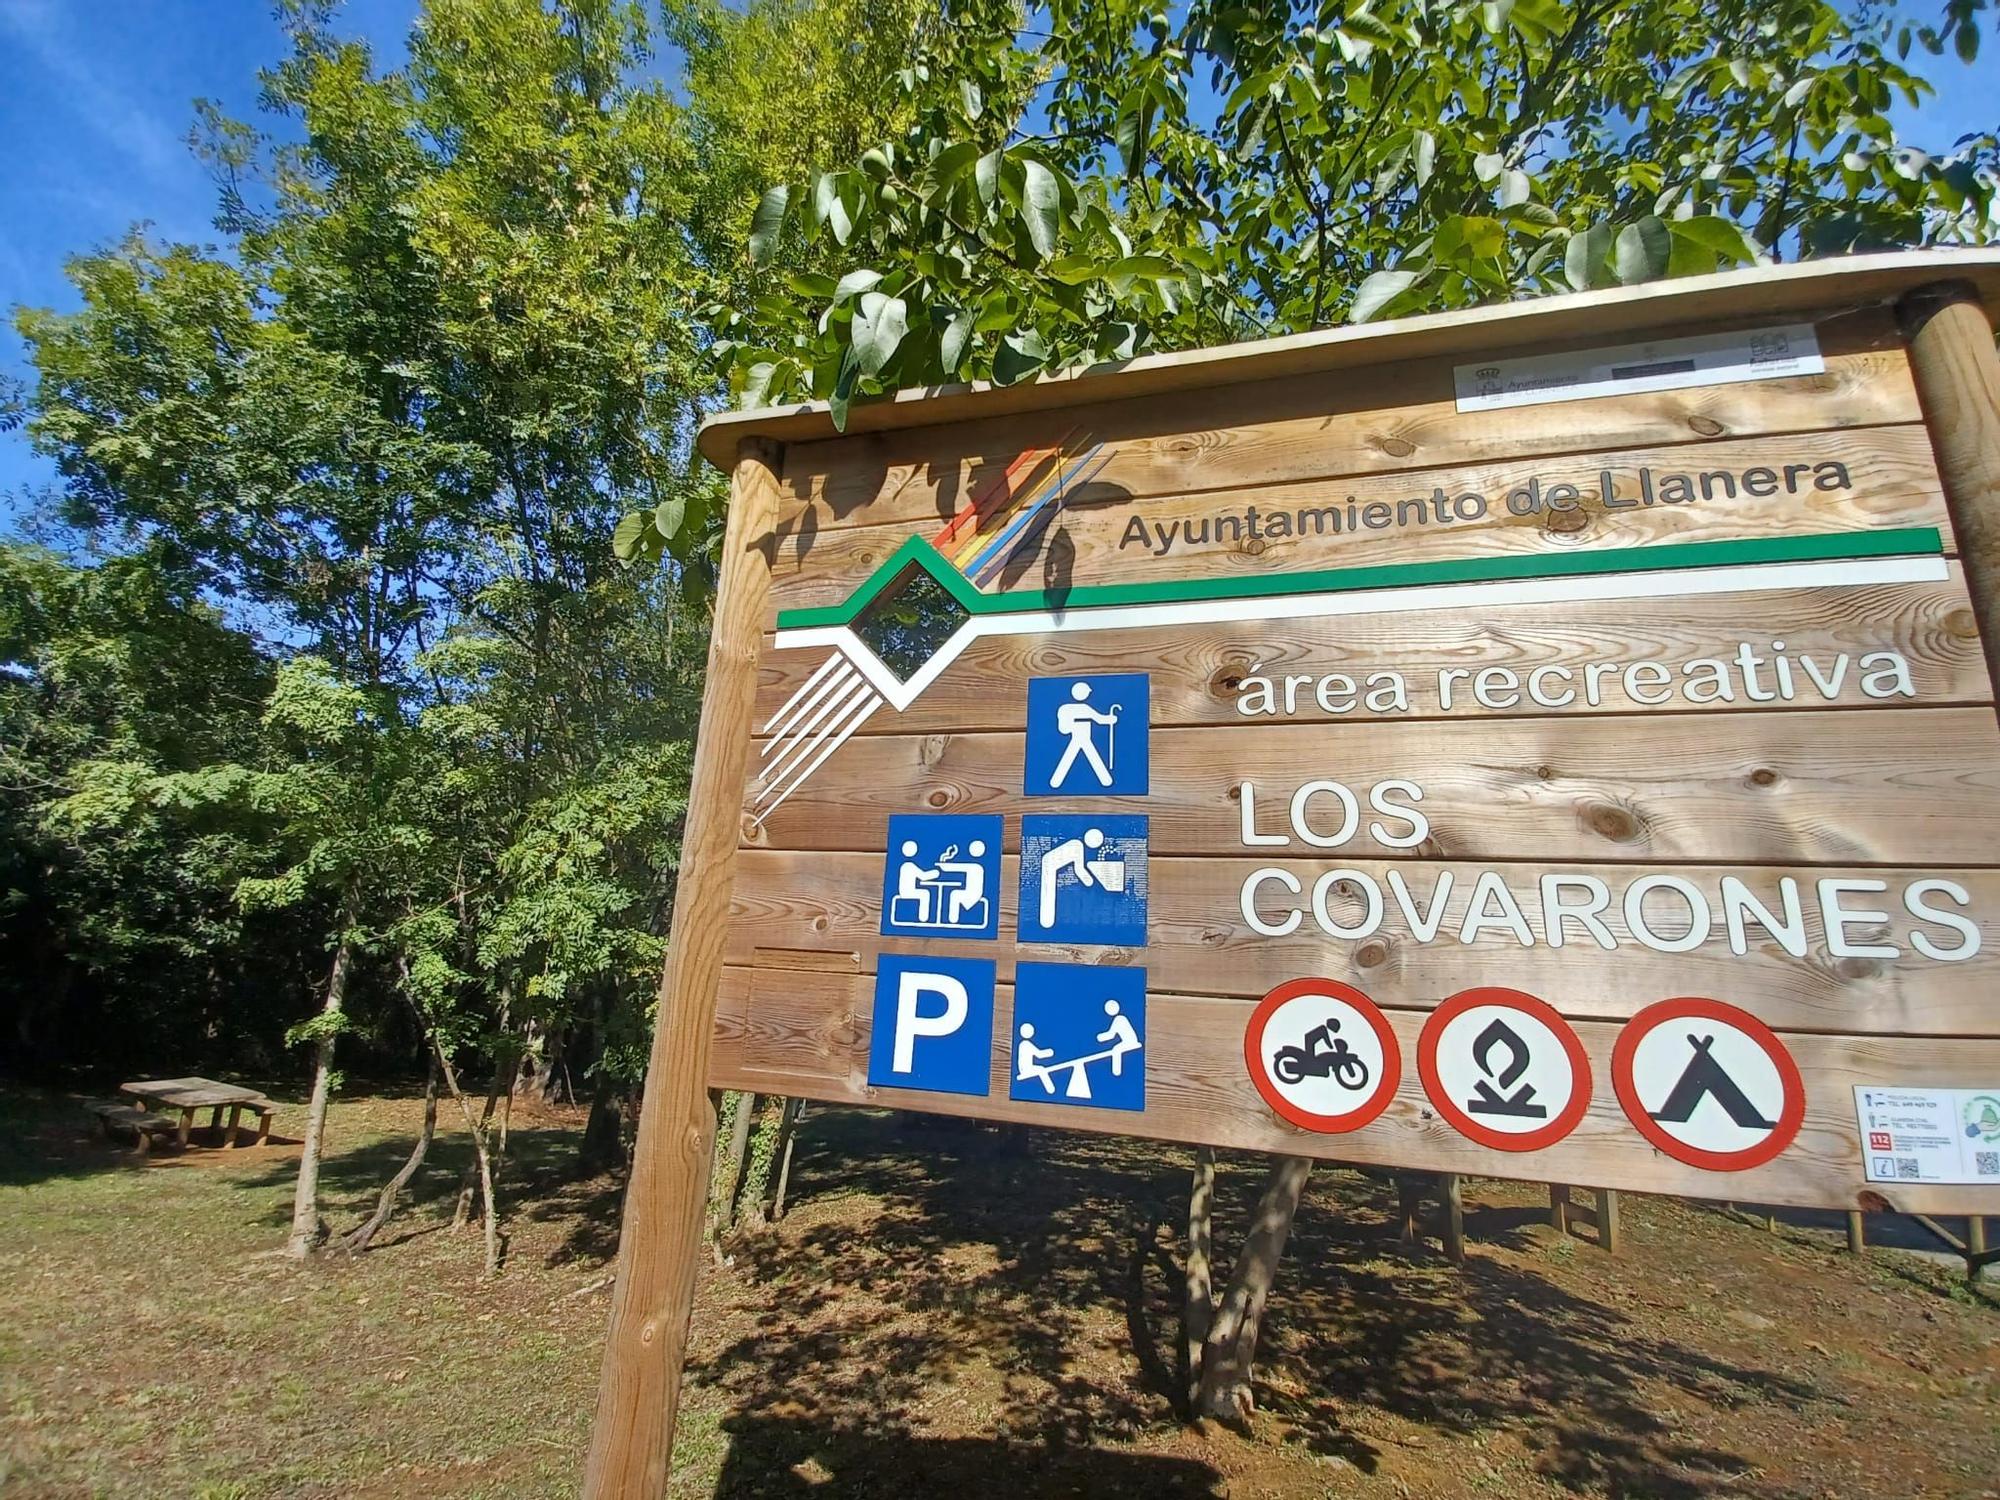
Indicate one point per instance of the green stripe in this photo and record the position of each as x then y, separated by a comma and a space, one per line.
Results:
1833, 546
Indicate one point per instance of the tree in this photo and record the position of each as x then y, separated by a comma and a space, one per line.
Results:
1086, 180
1098, 180
454, 338
117, 925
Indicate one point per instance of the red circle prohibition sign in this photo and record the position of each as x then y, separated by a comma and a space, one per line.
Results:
1392, 1056
1463, 1122
1790, 1117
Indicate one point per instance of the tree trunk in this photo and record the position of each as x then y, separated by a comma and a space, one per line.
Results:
481, 1159
1231, 1346
781, 1158
307, 1230
462, 1212
358, 1240
1198, 1310
728, 1178
603, 1146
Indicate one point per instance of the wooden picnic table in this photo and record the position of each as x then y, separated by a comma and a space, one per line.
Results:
191, 1094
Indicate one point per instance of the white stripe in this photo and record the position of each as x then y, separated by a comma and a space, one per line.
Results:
1660, 583
867, 704
797, 702
816, 728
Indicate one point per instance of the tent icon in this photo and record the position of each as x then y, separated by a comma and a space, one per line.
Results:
1704, 1077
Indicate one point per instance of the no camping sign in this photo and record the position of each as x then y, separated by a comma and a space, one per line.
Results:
1552, 742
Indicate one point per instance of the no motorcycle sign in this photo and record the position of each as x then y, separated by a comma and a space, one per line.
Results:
1555, 741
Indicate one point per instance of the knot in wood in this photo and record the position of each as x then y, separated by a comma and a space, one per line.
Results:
937, 796
1611, 822
1962, 624
1706, 426
1565, 522
1371, 954
1854, 967
1396, 447
1763, 776
1236, 792
1545, 773
1254, 547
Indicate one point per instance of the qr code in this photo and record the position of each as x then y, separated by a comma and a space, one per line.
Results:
1906, 1166
1986, 1163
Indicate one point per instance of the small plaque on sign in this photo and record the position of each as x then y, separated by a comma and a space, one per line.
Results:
1658, 365
1929, 1135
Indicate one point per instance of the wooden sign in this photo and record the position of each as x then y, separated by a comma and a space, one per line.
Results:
1552, 742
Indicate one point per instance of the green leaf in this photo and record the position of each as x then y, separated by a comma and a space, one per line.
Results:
843, 389
957, 337
1584, 260
1019, 355
986, 176
878, 328
627, 535
767, 222
853, 282
970, 97
1642, 251
670, 515
1722, 238
1378, 291
1041, 206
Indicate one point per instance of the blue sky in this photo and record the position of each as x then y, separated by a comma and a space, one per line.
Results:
95, 108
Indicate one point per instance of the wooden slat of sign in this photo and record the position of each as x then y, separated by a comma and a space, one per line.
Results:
1197, 670
810, 1036
1902, 788
824, 911
1396, 416
1886, 477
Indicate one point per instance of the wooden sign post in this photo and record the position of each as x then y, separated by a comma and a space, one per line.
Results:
1555, 741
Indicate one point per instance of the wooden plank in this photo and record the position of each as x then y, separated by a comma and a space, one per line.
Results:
659, 1239
1197, 670
1908, 787
1377, 421
1198, 1092
830, 902
1887, 477
1765, 294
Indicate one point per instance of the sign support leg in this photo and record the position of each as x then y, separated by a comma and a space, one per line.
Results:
1957, 376
659, 1244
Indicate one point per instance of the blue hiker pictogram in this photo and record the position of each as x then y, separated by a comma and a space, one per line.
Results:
1079, 1035
1083, 880
1087, 736
942, 876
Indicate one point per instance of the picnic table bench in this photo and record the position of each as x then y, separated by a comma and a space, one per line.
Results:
191, 1095
114, 1116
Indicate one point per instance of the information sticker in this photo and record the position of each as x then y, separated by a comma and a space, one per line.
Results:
1929, 1135
1660, 365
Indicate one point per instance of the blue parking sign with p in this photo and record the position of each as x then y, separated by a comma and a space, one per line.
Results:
933, 1024
1087, 736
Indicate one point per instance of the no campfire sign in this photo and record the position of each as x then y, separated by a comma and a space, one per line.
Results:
1555, 741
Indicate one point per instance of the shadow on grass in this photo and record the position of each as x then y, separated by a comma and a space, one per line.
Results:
973, 1260
772, 1456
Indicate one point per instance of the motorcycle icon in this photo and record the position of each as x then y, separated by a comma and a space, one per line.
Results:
1322, 1055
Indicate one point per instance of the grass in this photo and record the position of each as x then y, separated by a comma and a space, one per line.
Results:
946, 1313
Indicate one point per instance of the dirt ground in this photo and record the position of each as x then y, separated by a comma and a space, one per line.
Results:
945, 1310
